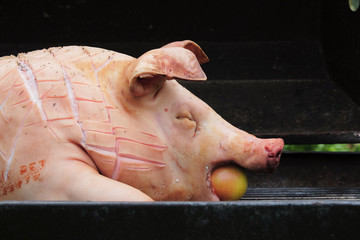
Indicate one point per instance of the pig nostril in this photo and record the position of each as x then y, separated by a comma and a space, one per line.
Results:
272, 153
278, 153
273, 161
267, 149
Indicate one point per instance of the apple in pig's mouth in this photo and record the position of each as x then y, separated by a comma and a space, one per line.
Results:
228, 182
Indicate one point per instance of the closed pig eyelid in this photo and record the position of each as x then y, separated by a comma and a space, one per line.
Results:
184, 114
188, 122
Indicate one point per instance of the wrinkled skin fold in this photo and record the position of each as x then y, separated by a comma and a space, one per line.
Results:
84, 123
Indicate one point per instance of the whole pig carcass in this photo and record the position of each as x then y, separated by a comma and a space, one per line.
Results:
84, 123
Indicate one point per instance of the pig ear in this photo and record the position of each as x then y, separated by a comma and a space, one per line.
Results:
149, 72
193, 47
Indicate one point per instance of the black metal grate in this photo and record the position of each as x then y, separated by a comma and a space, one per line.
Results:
302, 194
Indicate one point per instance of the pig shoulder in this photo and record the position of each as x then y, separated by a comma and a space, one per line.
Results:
46, 99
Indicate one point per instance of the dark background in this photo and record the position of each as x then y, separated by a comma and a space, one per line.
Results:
82, 21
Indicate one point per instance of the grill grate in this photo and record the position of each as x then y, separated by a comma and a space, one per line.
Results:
328, 193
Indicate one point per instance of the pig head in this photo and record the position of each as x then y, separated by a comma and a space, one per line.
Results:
98, 124
191, 138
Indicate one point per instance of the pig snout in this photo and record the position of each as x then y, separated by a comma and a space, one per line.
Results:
248, 151
274, 148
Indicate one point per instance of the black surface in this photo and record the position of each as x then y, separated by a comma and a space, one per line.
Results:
289, 194
84, 21
341, 44
181, 220
311, 170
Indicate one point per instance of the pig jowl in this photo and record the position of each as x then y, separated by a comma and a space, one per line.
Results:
85, 123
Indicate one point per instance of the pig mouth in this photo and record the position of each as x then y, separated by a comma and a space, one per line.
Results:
214, 197
273, 161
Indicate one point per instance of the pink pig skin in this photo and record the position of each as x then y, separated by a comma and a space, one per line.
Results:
84, 123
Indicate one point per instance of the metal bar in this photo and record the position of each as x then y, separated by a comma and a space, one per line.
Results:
305, 193
300, 219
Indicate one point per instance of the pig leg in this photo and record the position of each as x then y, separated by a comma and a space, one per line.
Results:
86, 184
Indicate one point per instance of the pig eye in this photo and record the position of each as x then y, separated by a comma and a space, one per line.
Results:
186, 120
184, 115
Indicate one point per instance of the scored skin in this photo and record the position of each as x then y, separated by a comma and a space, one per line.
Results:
71, 109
